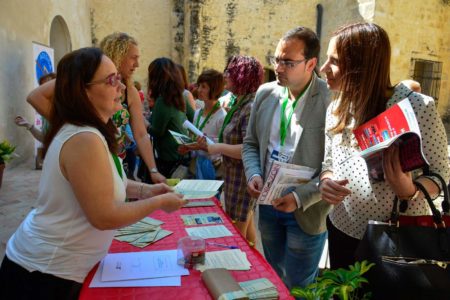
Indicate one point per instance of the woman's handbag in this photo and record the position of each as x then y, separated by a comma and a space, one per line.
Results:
411, 261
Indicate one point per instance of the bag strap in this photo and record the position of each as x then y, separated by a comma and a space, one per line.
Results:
437, 217
446, 202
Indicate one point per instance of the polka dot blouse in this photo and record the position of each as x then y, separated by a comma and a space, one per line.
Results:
372, 200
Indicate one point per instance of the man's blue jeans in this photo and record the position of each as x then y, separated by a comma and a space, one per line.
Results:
294, 254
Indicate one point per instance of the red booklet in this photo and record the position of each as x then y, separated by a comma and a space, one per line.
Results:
398, 124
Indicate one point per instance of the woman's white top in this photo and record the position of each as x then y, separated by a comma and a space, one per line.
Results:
56, 237
373, 200
212, 126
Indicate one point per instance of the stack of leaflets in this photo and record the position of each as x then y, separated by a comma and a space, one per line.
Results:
198, 189
143, 233
283, 176
398, 125
233, 259
260, 288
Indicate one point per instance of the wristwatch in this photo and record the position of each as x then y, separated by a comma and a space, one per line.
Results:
154, 170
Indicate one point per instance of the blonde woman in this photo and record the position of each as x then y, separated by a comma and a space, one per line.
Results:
123, 50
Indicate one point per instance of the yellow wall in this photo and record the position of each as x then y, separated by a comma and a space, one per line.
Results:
243, 27
149, 21
418, 30
21, 23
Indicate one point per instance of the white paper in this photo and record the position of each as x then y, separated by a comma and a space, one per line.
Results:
198, 189
282, 176
162, 281
234, 259
208, 232
140, 265
189, 126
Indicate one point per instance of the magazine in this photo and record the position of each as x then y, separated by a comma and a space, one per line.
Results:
283, 176
398, 124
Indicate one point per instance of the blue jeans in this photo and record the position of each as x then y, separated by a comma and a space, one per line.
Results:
294, 254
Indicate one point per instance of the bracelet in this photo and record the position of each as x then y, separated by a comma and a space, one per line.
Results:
321, 181
140, 190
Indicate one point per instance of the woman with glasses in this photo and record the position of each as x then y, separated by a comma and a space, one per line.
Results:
83, 188
358, 69
243, 75
123, 50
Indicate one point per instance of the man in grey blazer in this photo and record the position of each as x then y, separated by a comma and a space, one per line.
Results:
287, 124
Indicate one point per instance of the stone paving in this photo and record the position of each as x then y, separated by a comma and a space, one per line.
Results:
17, 197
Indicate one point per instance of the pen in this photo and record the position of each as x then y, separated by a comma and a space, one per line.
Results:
222, 245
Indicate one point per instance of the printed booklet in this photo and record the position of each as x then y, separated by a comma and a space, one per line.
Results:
282, 178
398, 124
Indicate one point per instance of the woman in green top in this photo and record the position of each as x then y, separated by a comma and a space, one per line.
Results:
165, 85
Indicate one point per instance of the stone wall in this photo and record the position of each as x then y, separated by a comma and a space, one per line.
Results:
148, 21
418, 30
21, 23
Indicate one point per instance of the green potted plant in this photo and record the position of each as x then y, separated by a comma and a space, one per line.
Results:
6, 154
343, 283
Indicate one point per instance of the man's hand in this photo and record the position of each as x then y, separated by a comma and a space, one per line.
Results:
254, 186
285, 204
158, 178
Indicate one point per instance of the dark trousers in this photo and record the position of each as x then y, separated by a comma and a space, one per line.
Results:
17, 283
342, 247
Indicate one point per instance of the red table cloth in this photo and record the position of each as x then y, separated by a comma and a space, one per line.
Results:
192, 286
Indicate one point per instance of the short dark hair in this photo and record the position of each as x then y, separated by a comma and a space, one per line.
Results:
165, 80
308, 37
214, 79
71, 104
47, 77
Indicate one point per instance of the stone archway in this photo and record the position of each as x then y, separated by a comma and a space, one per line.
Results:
59, 38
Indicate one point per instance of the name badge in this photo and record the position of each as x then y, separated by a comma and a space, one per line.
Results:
280, 156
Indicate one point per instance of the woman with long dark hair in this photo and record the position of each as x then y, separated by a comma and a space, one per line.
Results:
83, 186
165, 86
358, 69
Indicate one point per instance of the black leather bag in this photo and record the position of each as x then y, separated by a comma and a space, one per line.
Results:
412, 262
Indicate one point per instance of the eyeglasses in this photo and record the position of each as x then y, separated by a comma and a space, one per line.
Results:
290, 64
113, 80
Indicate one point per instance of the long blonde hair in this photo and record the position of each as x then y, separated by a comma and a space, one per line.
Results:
116, 46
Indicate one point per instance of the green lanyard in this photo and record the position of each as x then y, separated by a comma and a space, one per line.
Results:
284, 123
232, 100
200, 113
226, 121
117, 163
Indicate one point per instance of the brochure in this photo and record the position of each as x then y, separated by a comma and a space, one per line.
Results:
181, 139
283, 176
398, 125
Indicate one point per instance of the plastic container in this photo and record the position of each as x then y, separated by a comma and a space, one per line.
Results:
191, 251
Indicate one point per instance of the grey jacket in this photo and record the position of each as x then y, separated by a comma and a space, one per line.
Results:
309, 152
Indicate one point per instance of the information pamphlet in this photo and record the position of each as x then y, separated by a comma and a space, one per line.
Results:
143, 233
201, 219
198, 189
189, 126
398, 125
181, 139
283, 176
